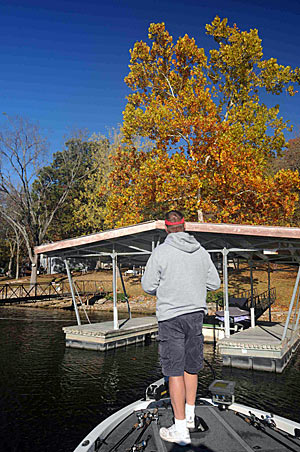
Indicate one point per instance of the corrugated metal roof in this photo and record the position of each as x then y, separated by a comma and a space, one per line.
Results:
137, 241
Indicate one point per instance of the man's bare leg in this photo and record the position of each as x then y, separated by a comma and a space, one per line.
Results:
182, 389
178, 432
191, 385
177, 394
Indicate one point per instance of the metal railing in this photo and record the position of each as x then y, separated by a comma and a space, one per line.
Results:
261, 301
245, 293
19, 292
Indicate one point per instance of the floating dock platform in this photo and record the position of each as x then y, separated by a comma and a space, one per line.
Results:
102, 336
260, 348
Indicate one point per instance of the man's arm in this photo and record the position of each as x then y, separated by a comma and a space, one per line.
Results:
151, 277
213, 280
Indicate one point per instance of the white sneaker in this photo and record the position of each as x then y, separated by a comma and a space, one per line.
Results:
190, 422
172, 435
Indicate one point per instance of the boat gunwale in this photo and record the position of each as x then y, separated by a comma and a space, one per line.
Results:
105, 427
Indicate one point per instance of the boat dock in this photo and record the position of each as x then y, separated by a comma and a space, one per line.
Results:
266, 347
260, 348
102, 336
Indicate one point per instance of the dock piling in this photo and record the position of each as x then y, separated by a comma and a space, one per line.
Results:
291, 305
72, 291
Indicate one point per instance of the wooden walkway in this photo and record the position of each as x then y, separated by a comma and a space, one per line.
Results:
260, 348
11, 293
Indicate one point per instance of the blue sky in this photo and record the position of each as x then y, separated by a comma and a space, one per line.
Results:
63, 63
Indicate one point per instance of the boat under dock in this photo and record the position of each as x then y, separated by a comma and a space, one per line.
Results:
260, 348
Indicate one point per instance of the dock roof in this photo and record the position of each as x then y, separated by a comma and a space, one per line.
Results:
135, 243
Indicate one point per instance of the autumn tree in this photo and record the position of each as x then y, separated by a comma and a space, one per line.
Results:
171, 106
212, 135
26, 195
289, 160
15, 241
91, 213
62, 182
238, 75
89, 207
4, 249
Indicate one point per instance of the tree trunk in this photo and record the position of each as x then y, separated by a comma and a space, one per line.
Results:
200, 216
200, 212
34, 265
9, 273
11, 257
17, 261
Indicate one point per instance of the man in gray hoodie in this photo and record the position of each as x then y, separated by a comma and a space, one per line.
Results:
179, 272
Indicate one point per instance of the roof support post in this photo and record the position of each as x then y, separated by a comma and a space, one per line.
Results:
225, 292
72, 291
291, 305
295, 321
251, 283
124, 291
269, 291
115, 309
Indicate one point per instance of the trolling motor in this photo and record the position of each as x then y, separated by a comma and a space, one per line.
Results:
222, 392
158, 390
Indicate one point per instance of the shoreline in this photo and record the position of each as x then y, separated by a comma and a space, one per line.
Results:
141, 305
138, 306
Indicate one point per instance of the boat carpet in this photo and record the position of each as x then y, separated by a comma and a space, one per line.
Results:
223, 431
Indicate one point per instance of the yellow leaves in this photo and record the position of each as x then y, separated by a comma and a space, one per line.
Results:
238, 73
218, 29
277, 78
187, 54
156, 30
207, 153
169, 91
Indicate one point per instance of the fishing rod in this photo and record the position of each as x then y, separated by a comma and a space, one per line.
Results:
151, 416
260, 425
115, 447
270, 422
140, 446
147, 423
139, 424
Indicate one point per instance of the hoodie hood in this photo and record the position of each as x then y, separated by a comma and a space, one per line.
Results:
183, 241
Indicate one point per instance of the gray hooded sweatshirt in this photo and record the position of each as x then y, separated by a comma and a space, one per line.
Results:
179, 272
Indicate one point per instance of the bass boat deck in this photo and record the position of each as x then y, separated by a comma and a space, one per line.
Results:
220, 427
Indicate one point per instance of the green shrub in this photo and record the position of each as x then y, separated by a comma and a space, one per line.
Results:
216, 297
120, 297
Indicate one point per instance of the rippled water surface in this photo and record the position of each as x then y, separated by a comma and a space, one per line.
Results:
51, 396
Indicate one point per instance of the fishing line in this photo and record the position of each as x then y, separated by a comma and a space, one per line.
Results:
33, 320
211, 368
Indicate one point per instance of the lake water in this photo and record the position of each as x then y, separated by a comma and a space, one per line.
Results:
52, 396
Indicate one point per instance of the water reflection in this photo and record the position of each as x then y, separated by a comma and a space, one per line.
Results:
277, 393
51, 396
